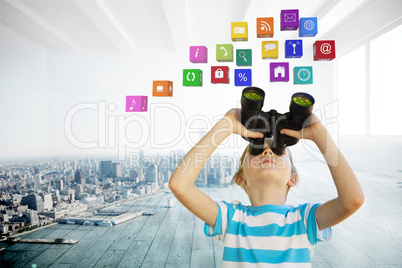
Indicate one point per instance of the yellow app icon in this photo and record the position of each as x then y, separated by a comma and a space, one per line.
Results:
239, 31
270, 50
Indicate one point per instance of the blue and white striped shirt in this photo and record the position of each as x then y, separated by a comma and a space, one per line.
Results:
267, 236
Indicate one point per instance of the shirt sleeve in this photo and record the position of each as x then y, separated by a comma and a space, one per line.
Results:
314, 235
221, 223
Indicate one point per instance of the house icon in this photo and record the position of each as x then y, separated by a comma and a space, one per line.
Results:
279, 70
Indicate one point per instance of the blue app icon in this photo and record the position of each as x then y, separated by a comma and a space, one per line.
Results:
242, 77
293, 48
308, 27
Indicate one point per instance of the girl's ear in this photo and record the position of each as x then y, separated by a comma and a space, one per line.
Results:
293, 180
240, 180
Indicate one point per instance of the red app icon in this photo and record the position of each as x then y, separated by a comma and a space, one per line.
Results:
219, 74
324, 50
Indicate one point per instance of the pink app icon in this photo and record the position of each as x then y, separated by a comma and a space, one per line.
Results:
136, 103
198, 54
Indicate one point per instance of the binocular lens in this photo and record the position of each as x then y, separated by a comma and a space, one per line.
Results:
253, 95
302, 101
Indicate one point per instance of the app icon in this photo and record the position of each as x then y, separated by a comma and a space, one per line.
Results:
308, 27
293, 48
239, 31
324, 50
279, 71
265, 27
192, 77
289, 20
162, 89
243, 57
198, 54
136, 103
219, 74
242, 77
303, 75
224, 52
270, 50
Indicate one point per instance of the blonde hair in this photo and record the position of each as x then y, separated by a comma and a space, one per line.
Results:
242, 161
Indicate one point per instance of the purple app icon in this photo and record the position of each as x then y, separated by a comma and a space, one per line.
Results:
289, 20
198, 54
136, 103
279, 71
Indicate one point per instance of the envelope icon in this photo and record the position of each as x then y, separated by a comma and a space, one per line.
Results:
290, 17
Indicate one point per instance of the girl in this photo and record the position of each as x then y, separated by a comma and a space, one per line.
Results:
268, 233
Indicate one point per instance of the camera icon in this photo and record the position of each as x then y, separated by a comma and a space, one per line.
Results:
239, 30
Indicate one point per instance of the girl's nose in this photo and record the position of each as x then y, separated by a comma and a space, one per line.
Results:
267, 151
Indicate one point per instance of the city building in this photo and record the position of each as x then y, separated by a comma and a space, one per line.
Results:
79, 177
105, 169
116, 170
33, 201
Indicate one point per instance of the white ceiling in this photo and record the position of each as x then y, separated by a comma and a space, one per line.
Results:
138, 25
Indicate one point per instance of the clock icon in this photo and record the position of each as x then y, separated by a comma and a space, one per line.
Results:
304, 74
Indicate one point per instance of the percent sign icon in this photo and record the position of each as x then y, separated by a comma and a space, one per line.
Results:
243, 77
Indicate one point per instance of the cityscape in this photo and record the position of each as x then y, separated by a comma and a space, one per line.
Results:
37, 193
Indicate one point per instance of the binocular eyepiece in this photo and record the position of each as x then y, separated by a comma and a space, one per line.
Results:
271, 123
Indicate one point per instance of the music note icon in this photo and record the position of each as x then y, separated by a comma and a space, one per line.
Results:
132, 105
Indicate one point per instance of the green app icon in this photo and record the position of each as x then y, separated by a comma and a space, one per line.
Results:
224, 52
192, 77
303, 75
243, 57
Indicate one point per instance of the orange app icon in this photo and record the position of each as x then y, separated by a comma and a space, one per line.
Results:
162, 89
265, 27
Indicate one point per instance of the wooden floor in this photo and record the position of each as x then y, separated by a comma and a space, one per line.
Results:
174, 237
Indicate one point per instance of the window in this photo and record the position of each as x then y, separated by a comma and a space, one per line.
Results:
386, 83
351, 92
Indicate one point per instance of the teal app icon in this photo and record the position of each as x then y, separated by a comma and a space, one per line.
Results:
243, 57
303, 75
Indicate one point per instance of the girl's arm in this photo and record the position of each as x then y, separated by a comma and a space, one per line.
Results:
350, 194
181, 182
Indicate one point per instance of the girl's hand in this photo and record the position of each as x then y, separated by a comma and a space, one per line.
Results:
231, 117
314, 130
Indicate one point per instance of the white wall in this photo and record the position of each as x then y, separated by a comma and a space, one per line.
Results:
23, 95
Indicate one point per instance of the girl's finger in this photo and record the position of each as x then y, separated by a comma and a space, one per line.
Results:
253, 134
248, 133
292, 133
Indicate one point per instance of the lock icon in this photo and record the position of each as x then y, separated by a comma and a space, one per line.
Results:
219, 73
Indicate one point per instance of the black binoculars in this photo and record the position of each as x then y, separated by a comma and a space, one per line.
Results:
271, 123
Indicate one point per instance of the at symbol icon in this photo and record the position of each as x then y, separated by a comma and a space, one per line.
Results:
325, 48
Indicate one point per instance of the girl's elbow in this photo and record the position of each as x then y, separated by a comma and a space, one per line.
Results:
356, 203
175, 186
172, 185
360, 200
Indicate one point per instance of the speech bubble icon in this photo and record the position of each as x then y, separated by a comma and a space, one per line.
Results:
269, 46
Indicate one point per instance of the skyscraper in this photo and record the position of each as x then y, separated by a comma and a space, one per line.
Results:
79, 177
37, 183
59, 184
151, 173
105, 168
36, 170
116, 170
